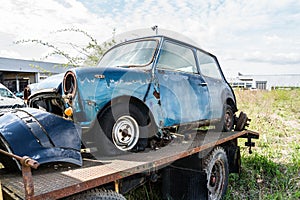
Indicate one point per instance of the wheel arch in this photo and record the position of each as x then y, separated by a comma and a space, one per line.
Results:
125, 99
230, 102
233, 156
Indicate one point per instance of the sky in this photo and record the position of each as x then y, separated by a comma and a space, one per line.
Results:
249, 37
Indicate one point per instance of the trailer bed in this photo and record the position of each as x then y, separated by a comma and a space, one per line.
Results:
61, 182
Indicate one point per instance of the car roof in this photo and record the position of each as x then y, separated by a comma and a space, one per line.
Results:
164, 37
2, 86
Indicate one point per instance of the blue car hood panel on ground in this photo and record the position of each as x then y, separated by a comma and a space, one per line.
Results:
42, 136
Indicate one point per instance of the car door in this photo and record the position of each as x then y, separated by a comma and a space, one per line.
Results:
211, 73
183, 92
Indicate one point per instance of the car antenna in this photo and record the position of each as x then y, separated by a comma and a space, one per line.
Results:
155, 28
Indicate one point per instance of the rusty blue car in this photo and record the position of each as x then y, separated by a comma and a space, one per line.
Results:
141, 89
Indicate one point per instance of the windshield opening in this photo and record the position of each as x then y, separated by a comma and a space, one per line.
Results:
5, 93
139, 53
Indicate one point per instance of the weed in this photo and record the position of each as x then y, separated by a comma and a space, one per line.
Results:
273, 170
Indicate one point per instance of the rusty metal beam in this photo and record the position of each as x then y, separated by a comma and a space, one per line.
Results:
151, 165
144, 165
27, 163
1, 196
25, 160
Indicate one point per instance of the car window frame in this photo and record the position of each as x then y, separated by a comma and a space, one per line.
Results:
8, 94
193, 50
130, 42
216, 64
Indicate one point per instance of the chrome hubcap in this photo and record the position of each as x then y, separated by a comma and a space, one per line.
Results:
125, 133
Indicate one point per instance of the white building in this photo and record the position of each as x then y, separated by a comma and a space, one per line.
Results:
16, 74
265, 82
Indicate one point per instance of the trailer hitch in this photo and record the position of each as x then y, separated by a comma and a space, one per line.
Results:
250, 144
27, 163
249, 136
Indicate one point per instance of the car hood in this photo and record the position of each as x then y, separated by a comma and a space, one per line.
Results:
125, 79
42, 136
52, 82
121, 77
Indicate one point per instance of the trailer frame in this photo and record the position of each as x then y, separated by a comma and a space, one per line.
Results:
59, 182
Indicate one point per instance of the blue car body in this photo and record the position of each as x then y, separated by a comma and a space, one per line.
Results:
184, 97
173, 83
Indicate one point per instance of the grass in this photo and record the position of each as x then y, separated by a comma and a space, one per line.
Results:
273, 170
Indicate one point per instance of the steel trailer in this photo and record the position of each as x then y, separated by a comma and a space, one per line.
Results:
181, 165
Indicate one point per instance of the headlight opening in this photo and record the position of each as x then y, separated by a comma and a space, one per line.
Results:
70, 84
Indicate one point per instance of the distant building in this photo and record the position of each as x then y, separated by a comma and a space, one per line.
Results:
265, 82
16, 74
239, 82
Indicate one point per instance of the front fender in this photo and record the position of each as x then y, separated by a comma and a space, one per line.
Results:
42, 136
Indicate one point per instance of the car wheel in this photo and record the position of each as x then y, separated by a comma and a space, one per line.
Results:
216, 169
228, 119
9, 163
122, 124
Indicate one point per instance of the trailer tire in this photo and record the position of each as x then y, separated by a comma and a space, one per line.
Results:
217, 172
97, 194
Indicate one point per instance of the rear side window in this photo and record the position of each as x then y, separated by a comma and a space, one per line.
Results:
178, 58
208, 66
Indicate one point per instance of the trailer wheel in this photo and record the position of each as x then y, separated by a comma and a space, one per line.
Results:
216, 168
97, 194
122, 124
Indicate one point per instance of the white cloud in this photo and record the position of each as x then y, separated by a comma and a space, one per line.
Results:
39, 19
9, 53
233, 30
276, 58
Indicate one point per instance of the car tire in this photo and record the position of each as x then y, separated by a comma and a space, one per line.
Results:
228, 118
217, 172
227, 121
123, 125
10, 165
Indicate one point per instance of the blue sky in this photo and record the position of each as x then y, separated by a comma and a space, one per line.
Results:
251, 37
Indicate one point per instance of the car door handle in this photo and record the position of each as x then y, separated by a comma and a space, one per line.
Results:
203, 84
